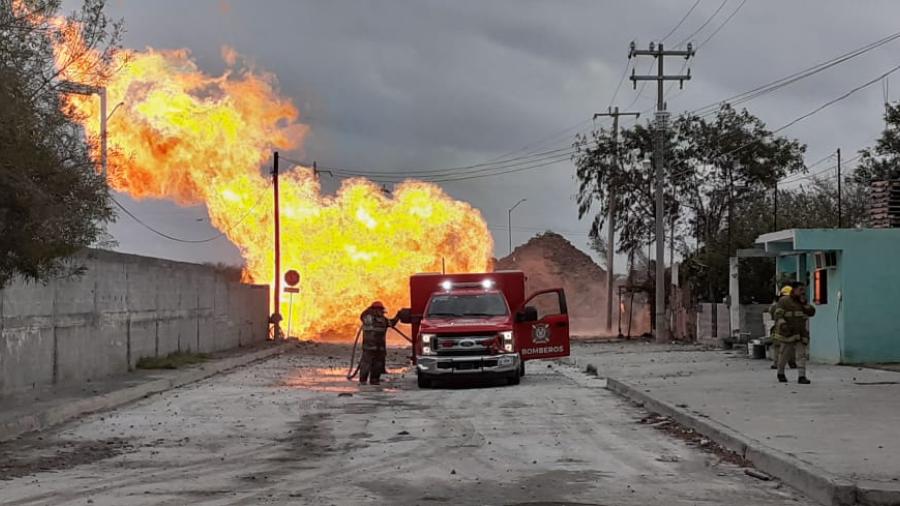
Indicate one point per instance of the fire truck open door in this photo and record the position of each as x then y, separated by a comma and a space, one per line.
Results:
542, 326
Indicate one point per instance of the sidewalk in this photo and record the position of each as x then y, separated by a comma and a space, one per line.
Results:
48, 406
836, 440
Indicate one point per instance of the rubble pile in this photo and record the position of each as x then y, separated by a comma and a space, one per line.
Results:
550, 261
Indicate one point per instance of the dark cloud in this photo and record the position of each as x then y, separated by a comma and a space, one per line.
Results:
406, 85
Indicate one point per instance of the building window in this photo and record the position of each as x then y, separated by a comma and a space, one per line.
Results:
820, 287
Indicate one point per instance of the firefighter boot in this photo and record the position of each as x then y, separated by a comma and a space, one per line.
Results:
375, 380
782, 378
803, 380
363, 379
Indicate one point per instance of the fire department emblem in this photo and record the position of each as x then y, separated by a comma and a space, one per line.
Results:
540, 333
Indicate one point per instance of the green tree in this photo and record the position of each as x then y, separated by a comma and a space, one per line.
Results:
734, 157
736, 162
715, 168
52, 200
816, 205
610, 172
882, 161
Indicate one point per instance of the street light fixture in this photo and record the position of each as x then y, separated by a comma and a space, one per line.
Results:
509, 222
87, 89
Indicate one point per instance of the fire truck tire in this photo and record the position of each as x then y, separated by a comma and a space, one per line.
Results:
423, 381
514, 378
521, 368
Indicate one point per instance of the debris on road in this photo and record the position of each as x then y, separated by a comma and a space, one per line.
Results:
757, 474
692, 437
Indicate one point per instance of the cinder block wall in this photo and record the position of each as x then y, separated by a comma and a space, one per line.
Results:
712, 323
123, 308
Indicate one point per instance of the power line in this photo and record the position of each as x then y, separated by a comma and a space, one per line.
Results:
544, 141
621, 80
179, 239
794, 77
722, 25
807, 115
794, 177
698, 30
479, 167
818, 109
480, 176
683, 18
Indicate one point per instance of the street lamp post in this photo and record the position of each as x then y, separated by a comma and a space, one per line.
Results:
87, 89
509, 222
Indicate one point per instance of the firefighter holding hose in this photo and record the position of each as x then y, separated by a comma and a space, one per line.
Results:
374, 328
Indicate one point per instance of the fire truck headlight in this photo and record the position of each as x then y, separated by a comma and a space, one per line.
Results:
428, 344
487, 284
507, 337
446, 285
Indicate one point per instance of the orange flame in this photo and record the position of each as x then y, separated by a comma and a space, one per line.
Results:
180, 134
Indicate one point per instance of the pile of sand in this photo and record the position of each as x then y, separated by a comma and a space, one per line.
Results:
550, 261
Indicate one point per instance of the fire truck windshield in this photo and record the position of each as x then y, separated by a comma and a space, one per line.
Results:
467, 305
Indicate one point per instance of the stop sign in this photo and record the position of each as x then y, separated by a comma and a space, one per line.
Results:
291, 277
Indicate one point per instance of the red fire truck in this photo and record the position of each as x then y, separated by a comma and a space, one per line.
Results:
481, 324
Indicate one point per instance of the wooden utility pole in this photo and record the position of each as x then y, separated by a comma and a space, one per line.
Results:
662, 118
276, 310
611, 212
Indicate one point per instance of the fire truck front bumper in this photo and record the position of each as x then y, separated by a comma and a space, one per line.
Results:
485, 364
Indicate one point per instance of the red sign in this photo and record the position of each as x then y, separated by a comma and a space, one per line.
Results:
291, 277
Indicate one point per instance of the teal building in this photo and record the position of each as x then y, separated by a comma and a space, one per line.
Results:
853, 279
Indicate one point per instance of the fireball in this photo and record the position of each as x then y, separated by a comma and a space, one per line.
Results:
180, 134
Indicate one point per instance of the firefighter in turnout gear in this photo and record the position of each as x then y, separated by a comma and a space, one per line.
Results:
776, 345
791, 314
374, 346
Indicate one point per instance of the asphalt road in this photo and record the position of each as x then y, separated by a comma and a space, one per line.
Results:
292, 430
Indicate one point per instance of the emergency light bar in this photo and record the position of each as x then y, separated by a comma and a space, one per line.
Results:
487, 284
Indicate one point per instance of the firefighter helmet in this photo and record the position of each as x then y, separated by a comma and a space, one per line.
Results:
787, 290
377, 305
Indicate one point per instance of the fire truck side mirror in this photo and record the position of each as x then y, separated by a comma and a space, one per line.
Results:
528, 314
405, 315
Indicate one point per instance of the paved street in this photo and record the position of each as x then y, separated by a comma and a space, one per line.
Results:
292, 430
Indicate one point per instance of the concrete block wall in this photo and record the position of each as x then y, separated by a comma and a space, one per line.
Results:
123, 308
712, 323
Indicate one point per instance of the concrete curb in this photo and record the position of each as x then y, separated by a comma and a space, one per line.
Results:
812, 481
56, 415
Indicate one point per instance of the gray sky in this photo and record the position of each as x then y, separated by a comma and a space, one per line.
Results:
412, 85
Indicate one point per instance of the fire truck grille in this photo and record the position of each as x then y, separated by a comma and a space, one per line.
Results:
468, 366
454, 345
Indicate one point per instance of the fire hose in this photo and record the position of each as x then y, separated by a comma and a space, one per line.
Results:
351, 372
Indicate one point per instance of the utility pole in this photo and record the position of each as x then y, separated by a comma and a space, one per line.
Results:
87, 89
611, 213
509, 222
662, 118
840, 211
775, 214
276, 311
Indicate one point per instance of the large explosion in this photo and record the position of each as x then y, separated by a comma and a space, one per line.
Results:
177, 133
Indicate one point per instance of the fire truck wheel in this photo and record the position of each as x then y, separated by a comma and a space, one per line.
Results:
514, 378
423, 381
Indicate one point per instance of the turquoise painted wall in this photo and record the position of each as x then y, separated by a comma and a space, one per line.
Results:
786, 264
827, 327
867, 325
